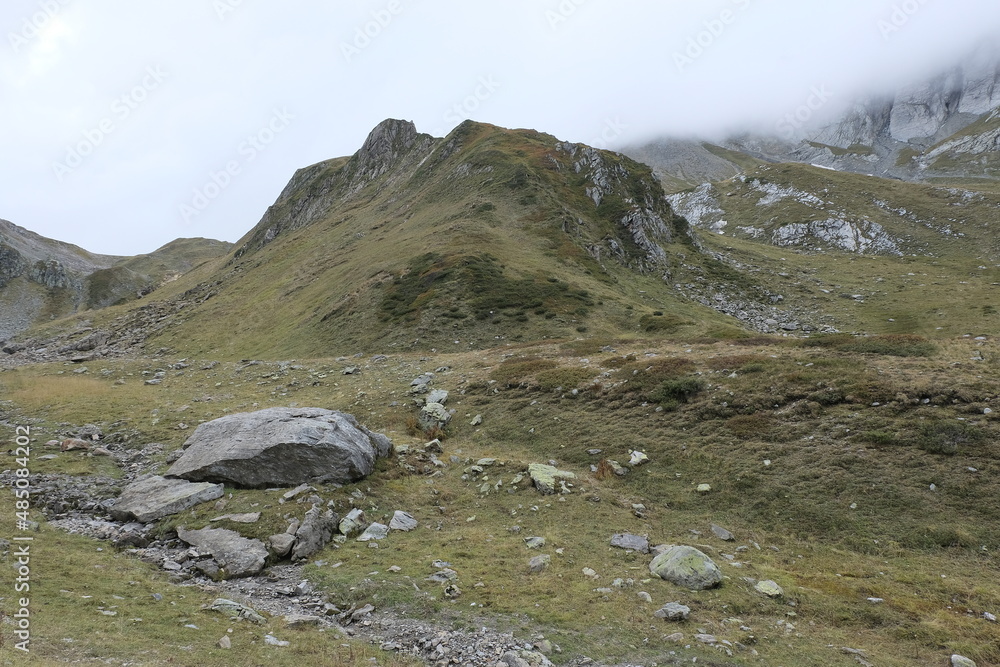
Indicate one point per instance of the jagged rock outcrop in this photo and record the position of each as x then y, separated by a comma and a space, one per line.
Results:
897, 133
390, 152
637, 206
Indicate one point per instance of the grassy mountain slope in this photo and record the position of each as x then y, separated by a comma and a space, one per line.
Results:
858, 475
872, 255
487, 235
857, 472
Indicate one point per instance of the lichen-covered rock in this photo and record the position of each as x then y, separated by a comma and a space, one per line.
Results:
688, 567
546, 477
769, 588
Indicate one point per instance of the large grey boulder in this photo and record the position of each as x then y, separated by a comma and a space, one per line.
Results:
688, 567
235, 554
155, 497
281, 447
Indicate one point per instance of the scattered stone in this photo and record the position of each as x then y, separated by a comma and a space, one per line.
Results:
546, 476
588, 572
235, 554
644, 596
281, 544
534, 542
539, 563
73, 445
155, 497
961, 661
706, 639
271, 640
443, 576
673, 611
437, 396
688, 567
297, 491
361, 613
281, 447
477, 420
237, 611
301, 620
354, 523
375, 531
225, 643
434, 415
250, 517
402, 521
631, 542
90, 432
316, 531
617, 468
704, 488
638, 458
722, 533
769, 588
676, 638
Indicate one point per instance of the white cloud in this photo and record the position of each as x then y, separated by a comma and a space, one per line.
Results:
597, 72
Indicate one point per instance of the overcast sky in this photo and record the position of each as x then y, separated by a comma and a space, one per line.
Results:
127, 124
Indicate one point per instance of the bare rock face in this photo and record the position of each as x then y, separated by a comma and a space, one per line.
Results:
281, 447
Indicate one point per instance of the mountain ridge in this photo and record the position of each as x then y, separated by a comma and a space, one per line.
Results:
945, 126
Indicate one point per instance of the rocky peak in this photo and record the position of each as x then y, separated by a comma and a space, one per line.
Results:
384, 145
390, 149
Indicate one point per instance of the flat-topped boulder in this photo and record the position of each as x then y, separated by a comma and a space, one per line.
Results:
154, 497
281, 447
238, 556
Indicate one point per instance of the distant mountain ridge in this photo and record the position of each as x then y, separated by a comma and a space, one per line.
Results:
944, 127
42, 278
